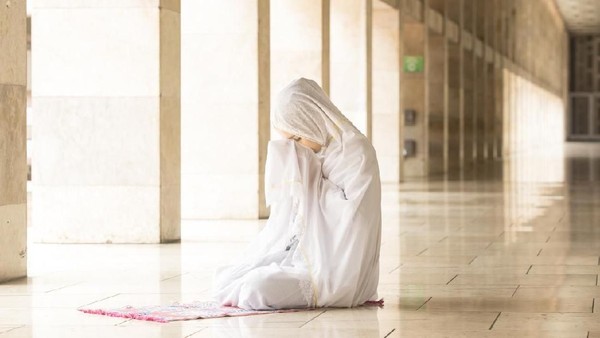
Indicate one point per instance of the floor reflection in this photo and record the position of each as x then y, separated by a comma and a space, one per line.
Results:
509, 248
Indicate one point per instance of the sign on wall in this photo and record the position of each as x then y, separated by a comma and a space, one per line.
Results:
413, 64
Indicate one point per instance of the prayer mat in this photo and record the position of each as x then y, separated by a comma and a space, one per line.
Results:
189, 311
174, 312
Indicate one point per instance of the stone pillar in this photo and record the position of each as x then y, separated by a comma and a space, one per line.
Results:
401, 6
507, 113
480, 80
455, 83
489, 69
225, 107
296, 34
325, 45
297, 43
264, 107
13, 158
437, 89
468, 100
350, 57
497, 114
386, 90
106, 99
498, 35
490, 106
413, 88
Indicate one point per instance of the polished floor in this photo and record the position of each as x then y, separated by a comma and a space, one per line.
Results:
511, 249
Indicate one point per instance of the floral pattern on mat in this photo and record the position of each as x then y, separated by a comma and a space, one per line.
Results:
169, 313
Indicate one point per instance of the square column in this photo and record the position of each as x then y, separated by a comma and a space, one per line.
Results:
386, 90
225, 107
468, 99
499, 41
490, 86
350, 55
297, 32
413, 88
106, 100
437, 88
299, 46
13, 157
425, 89
479, 109
468, 125
480, 80
490, 111
455, 83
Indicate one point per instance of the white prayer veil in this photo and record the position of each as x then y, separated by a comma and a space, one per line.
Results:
304, 109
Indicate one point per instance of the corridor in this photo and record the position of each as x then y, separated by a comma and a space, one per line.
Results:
488, 255
133, 162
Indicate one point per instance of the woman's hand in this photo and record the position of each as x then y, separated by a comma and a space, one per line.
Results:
310, 144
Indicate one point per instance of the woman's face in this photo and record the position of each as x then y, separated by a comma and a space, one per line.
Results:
310, 144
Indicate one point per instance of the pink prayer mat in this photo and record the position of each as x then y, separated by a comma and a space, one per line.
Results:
189, 311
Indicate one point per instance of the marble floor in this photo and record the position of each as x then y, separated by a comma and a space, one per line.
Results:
511, 249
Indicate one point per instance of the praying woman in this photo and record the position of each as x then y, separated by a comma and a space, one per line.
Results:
320, 246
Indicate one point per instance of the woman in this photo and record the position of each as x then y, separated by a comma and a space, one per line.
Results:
320, 246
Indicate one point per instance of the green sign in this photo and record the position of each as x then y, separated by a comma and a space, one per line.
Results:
413, 64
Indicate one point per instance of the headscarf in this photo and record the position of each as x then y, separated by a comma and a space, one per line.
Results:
303, 109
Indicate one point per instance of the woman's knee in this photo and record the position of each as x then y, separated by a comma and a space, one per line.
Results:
275, 290
253, 291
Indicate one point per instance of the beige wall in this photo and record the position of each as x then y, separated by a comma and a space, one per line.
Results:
538, 30
225, 115
461, 111
107, 131
436, 113
350, 60
298, 34
386, 90
13, 158
413, 96
534, 118
296, 42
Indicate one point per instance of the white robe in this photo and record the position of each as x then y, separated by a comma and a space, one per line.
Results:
320, 246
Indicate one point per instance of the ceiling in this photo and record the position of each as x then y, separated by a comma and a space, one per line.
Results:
581, 16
